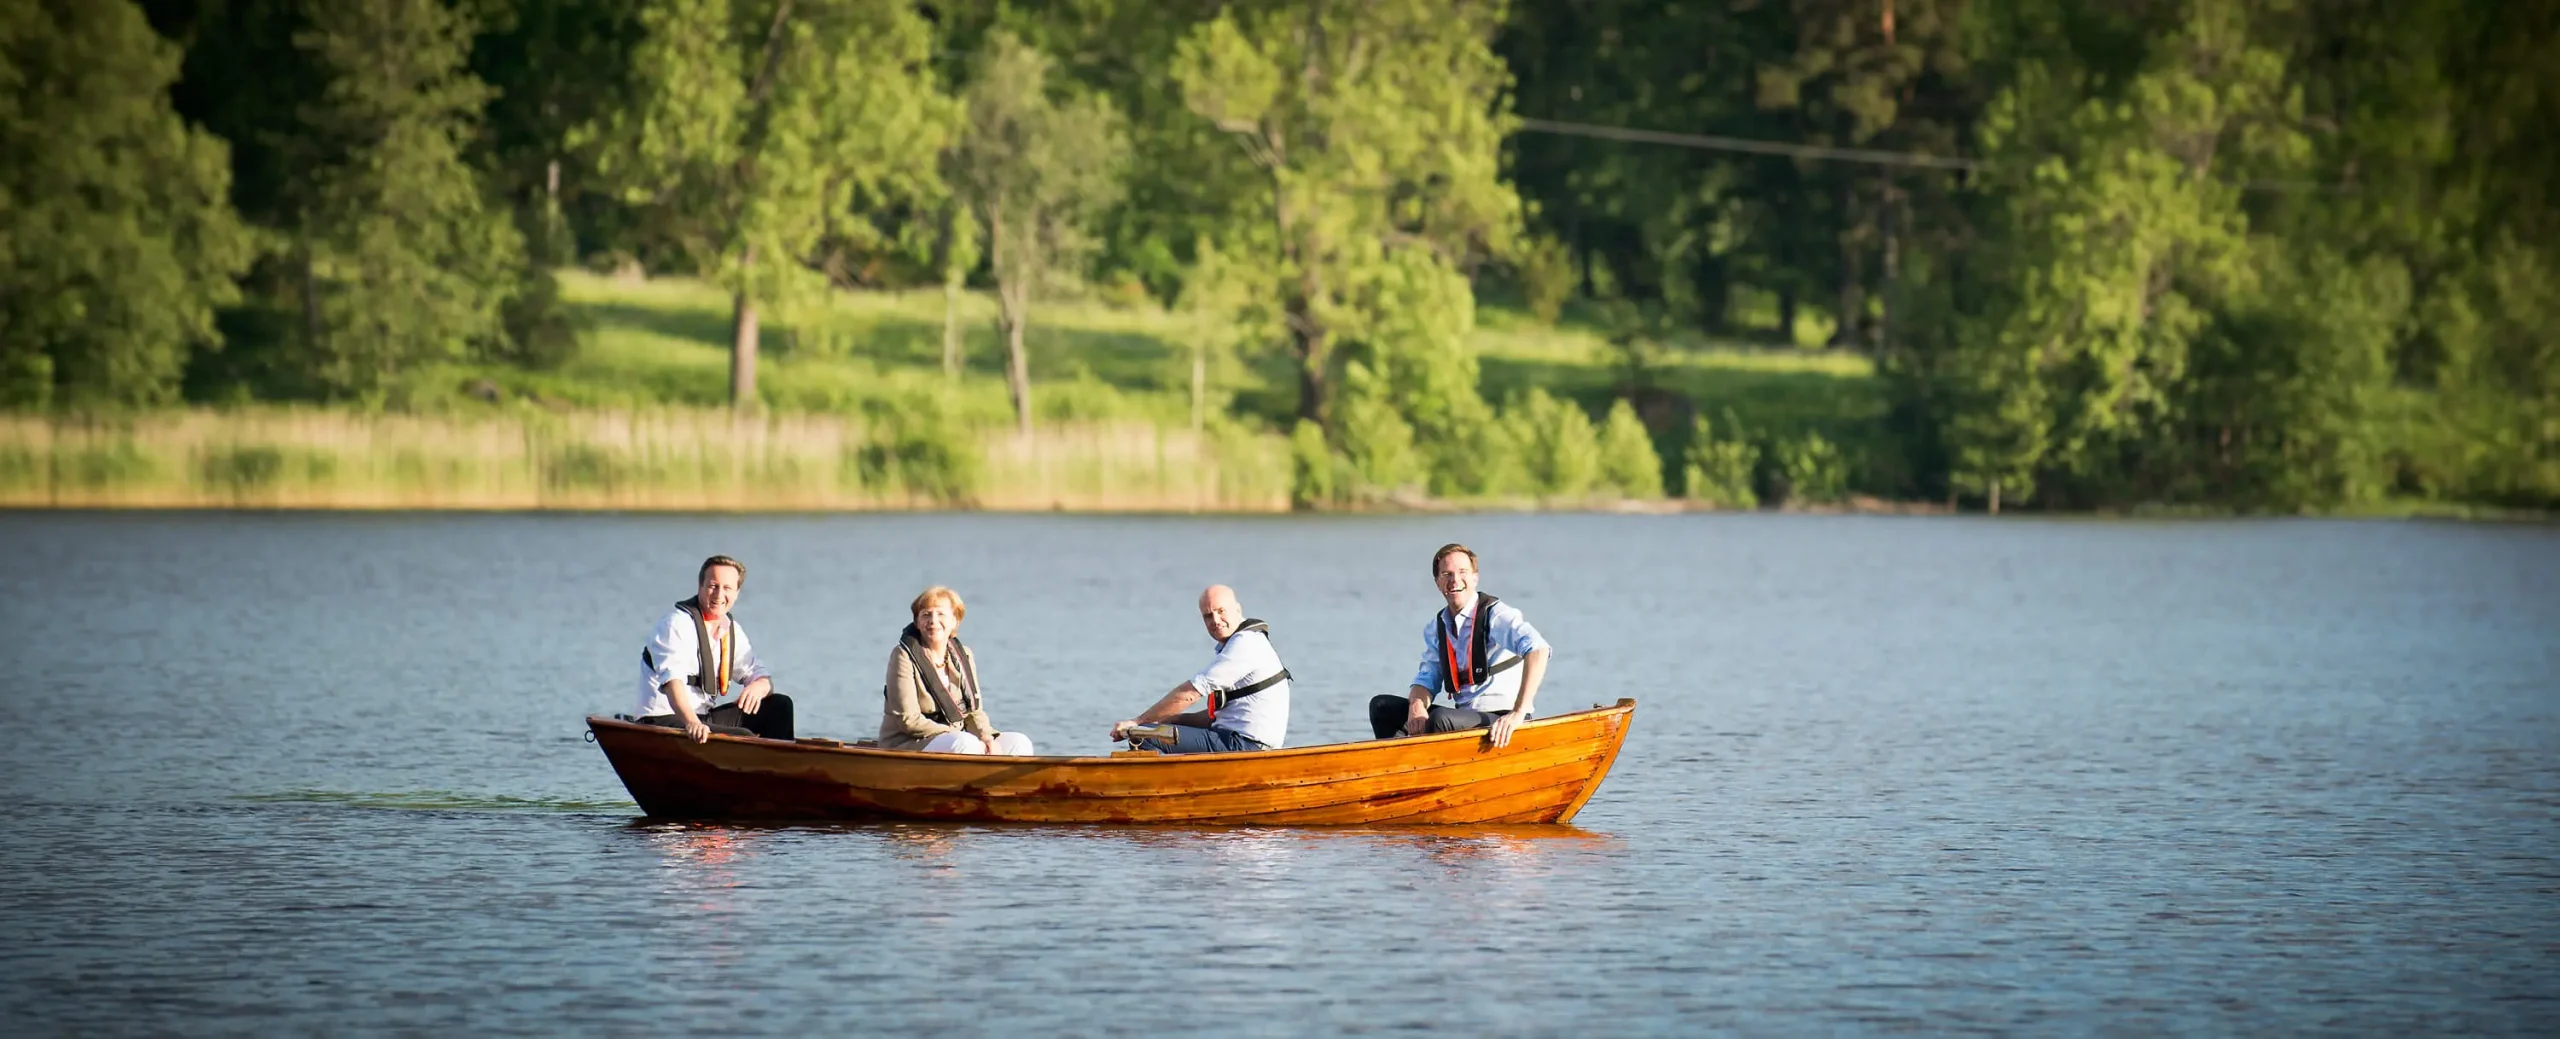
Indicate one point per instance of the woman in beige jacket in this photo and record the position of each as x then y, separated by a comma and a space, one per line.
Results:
930, 701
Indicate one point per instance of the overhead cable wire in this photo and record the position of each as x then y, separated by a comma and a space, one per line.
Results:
1713, 142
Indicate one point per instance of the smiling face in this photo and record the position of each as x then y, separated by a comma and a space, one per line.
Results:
719, 591
936, 622
1219, 611
1455, 572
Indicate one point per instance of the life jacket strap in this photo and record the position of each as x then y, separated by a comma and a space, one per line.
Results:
705, 667
1476, 673
1218, 700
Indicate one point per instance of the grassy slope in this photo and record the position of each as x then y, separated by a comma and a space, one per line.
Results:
665, 342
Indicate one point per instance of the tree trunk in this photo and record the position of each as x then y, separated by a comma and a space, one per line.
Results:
951, 278
1013, 306
1889, 212
1017, 369
1199, 383
1995, 496
954, 280
313, 331
1308, 335
742, 337
1787, 315
1715, 294
1853, 296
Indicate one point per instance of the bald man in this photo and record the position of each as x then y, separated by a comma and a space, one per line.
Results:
1245, 689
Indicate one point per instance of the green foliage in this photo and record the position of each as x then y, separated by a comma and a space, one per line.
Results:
541, 330
1546, 275
397, 258
921, 448
759, 130
117, 241
2252, 254
1811, 470
1375, 442
1627, 458
1557, 444
1371, 167
1312, 468
2494, 434
1720, 471
103, 465
1035, 170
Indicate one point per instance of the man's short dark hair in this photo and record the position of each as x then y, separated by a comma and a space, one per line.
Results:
707, 564
1450, 549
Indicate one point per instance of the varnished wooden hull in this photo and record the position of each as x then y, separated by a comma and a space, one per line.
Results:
1550, 769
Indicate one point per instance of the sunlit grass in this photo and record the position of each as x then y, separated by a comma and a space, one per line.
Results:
666, 459
854, 397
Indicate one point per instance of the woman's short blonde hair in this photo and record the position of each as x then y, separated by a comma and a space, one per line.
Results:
938, 593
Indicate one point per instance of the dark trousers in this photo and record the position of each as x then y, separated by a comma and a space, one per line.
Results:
772, 719
1387, 714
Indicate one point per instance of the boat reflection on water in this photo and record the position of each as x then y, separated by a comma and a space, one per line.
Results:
1553, 836
699, 859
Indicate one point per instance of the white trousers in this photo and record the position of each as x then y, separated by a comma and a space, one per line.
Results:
957, 742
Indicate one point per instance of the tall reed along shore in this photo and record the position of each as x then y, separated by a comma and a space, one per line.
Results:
671, 460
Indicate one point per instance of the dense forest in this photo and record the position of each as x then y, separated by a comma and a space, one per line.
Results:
2274, 255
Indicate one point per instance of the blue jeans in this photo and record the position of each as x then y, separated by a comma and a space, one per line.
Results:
1191, 739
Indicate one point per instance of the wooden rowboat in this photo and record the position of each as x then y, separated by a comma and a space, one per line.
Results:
1550, 769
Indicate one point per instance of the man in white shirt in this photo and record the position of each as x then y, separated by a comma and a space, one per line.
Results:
698, 657
1480, 650
1246, 689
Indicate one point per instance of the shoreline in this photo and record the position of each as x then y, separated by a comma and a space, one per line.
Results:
713, 462
1873, 507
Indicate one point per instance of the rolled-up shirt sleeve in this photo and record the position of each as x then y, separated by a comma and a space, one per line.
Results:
1519, 636
1428, 674
671, 651
1228, 669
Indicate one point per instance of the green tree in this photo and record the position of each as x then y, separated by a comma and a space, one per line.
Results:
1719, 470
2124, 234
556, 65
959, 251
1035, 170
1627, 459
1999, 430
397, 255
1556, 443
1811, 469
1376, 442
1376, 128
759, 128
117, 240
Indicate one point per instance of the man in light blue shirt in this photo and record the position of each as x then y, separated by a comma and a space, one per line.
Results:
1246, 689
1480, 650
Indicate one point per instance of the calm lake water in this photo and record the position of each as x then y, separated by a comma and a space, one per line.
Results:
323, 773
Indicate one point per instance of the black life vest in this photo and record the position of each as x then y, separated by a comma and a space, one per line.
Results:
1474, 672
1218, 700
704, 674
947, 709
